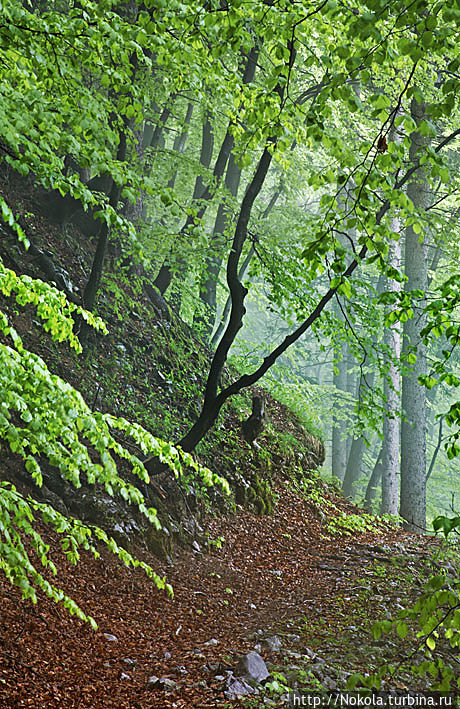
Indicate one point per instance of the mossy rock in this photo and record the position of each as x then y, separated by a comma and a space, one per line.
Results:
258, 495
158, 541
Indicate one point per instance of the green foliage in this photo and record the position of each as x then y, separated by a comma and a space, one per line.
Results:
435, 621
343, 524
17, 520
446, 525
359, 68
42, 417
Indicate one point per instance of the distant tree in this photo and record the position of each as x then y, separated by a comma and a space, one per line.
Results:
413, 429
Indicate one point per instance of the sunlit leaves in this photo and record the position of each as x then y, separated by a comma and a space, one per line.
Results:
446, 524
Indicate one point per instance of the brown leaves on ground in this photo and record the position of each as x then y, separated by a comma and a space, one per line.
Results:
270, 569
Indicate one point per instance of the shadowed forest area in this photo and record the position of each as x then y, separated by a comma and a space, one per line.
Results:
229, 317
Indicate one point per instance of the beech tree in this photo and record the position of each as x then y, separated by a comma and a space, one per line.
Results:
413, 429
92, 99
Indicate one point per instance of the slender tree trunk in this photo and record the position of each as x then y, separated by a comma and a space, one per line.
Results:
413, 429
355, 459
153, 137
207, 147
179, 143
437, 449
228, 303
340, 444
374, 482
392, 393
212, 404
212, 400
353, 388
339, 441
94, 280
213, 261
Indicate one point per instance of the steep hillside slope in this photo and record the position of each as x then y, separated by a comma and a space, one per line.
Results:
150, 369
281, 553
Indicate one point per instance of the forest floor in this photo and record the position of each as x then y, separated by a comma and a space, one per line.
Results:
296, 573
261, 575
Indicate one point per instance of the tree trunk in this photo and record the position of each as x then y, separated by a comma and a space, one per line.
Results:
223, 318
212, 400
208, 285
94, 280
413, 429
339, 379
437, 449
355, 459
353, 388
392, 393
179, 143
228, 303
374, 481
207, 147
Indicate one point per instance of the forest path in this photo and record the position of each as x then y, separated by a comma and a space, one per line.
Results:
269, 571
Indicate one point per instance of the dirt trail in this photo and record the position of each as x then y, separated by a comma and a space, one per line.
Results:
269, 570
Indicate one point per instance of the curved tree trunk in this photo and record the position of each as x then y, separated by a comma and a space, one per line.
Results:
228, 303
226, 310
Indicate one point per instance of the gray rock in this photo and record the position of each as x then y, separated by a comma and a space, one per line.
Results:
129, 661
180, 670
111, 638
212, 643
124, 676
310, 653
163, 682
238, 687
293, 654
54, 500
273, 643
196, 546
292, 638
252, 667
168, 684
